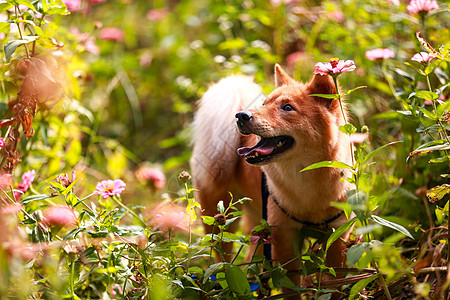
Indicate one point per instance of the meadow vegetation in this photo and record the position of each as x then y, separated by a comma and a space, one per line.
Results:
96, 102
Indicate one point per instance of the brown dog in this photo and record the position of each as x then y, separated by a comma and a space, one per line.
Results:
289, 132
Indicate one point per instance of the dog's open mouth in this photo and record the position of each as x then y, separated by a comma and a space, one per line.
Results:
266, 149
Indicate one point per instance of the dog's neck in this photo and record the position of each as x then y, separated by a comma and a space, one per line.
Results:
308, 195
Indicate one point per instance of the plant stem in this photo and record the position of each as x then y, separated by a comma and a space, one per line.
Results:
16, 10
383, 282
344, 116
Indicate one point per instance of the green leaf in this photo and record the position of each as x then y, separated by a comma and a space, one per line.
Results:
4, 27
11, 46
371, 154
327, 164
5, 6
208, 220
347, 129
32, 198
71, 200
355, 89
432, 146
438, 192
426, 95
70, 187
327, 96
26, 3
355, 252
430, 115
392, 225
360, 285
433, 65
237, 281
338, 232
213, 268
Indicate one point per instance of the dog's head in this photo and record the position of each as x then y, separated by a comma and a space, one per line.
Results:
291, 121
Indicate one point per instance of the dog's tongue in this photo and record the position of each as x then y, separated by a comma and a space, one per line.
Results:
264, 147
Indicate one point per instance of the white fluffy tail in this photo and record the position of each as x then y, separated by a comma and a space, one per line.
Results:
215, 133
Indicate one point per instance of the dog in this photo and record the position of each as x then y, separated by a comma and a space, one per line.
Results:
290, 130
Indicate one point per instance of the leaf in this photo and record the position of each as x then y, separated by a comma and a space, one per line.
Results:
392, 225
327, 164
237, 282
26, 3
11, 46
360, 285
32, 198
434, 147
5, 6
4, 27
208, 220
355, 252
426, 95
371, 154
355, 89
213, 268
438, 192
327, 96
338, 232
430, 115
70, 187
433, 65
347, 129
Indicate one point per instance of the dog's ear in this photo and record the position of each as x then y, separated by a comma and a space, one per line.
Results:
281, 77
322, 84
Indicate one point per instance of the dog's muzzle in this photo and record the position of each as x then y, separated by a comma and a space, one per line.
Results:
243, 118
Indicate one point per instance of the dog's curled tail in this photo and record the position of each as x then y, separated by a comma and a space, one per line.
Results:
216, 138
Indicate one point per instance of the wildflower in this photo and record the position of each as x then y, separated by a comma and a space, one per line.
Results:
112, 34
423, 57
152, 176
418, 6
72, 5
108, 188
62, 216
258, 235
220, 219
2, 142
334, 67
64, 179
379, 54
169, 217
24, 185
184, 177
157, 14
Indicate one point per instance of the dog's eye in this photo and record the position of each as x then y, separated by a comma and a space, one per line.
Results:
287, 107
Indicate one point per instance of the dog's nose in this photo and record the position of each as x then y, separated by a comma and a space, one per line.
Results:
244, 116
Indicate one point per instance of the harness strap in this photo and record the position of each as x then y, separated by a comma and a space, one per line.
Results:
265, 195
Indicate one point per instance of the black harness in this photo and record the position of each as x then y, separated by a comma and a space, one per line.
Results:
265, 193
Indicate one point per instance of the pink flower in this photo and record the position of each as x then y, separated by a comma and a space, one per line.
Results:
287, 2
336, 15
62, 216
72, 5
169, 217
417, 6
379, 54
334, 67
294, 57
152, 176
24, 185
112, 34
254, 239
423, 57
157, 14
2, 142
107, 188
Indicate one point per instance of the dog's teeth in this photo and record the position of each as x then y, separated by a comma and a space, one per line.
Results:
256, 154
279, 144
